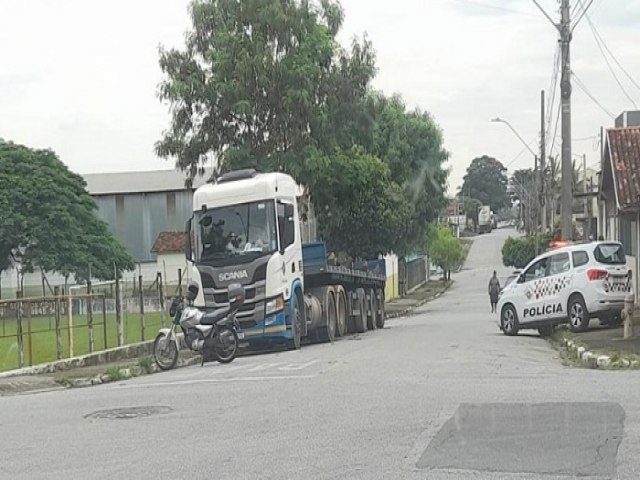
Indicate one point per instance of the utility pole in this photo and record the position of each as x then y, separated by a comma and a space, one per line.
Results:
586, 232
566, 210
565, 30
543, 155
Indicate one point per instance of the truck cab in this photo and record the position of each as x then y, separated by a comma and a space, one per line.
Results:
245, 230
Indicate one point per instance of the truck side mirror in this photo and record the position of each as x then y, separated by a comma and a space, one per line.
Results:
188, 248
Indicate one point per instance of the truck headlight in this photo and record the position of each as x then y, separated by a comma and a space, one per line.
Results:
274, 305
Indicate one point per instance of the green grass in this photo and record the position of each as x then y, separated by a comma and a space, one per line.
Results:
43, 338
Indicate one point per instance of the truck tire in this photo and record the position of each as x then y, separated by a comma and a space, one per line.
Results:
341, 312
328, 333
361, 315
372, 310
380, 307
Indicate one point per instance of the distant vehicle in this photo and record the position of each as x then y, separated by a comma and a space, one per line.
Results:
485, 220
570, 284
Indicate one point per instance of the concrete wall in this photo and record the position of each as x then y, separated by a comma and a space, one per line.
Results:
391, 287
169, 263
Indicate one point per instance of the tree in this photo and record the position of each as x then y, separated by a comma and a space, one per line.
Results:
372, 216
471, 206
48, 220
411, 144
445, 250
486, 181
261, 81
265, 84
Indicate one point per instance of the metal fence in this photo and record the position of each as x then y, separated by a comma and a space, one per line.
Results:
84, 319
411, 274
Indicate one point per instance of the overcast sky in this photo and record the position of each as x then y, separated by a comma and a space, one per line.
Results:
80, 76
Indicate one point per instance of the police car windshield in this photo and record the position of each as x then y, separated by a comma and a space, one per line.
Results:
610, 254
246, 230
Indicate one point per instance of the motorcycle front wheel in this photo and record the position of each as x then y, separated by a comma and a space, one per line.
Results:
225, 345
165, 352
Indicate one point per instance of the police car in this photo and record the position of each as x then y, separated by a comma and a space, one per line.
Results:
570, 284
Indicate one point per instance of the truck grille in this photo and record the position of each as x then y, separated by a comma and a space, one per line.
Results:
252, 310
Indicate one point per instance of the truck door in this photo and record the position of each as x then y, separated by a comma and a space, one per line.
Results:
287, 242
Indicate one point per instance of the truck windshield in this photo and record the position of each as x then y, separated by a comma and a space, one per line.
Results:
246, 230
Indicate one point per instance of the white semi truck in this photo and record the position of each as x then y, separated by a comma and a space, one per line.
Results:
246, 229
485, 219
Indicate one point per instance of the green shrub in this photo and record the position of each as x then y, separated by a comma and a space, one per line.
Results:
518, 252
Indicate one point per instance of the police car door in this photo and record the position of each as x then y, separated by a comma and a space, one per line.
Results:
531, 291
557, 289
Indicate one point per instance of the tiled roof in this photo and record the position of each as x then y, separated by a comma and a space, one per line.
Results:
624, 150
169, 242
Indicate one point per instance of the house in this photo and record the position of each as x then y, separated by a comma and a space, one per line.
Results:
619, 209
169, 248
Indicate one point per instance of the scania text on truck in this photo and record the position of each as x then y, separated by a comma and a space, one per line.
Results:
246, 229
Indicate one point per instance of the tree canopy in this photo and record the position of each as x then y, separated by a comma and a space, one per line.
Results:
48, 220
265, 84
445, 250
486, 181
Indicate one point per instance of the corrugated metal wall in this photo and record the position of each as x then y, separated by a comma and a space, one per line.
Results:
136, 219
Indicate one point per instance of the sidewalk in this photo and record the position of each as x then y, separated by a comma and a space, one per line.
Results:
603, 347
427, 292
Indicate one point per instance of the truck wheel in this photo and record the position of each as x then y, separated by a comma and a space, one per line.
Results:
296, 324
361, 316
328, 333
380, 308
341, 312
372, 310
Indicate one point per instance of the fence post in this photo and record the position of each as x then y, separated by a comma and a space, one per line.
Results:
119, 331
141, 308
104, 320
161, 298
19, 339
56, 292
92, 344
70, 322
30, 342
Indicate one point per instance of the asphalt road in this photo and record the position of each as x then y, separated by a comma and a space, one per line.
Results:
439, 395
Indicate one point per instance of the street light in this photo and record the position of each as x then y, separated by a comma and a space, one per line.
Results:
500, 120
535, 156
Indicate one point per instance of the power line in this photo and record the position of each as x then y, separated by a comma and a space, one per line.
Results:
553, 88
555, 131
493, 7
586, 91
584, 12
604, 44
595, 36
521, 152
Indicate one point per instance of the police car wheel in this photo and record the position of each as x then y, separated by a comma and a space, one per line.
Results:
578, 315
509, 320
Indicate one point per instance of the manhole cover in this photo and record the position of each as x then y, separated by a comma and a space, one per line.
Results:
129, 412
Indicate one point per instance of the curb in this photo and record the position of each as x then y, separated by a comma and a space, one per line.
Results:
595, 360
127, 373
408, 310
111, 355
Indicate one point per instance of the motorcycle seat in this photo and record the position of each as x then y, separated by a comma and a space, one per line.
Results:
213, 317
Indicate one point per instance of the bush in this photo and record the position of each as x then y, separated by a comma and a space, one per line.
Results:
518, 252
445, 250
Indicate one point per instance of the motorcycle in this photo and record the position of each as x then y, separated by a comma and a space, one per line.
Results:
215, 335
